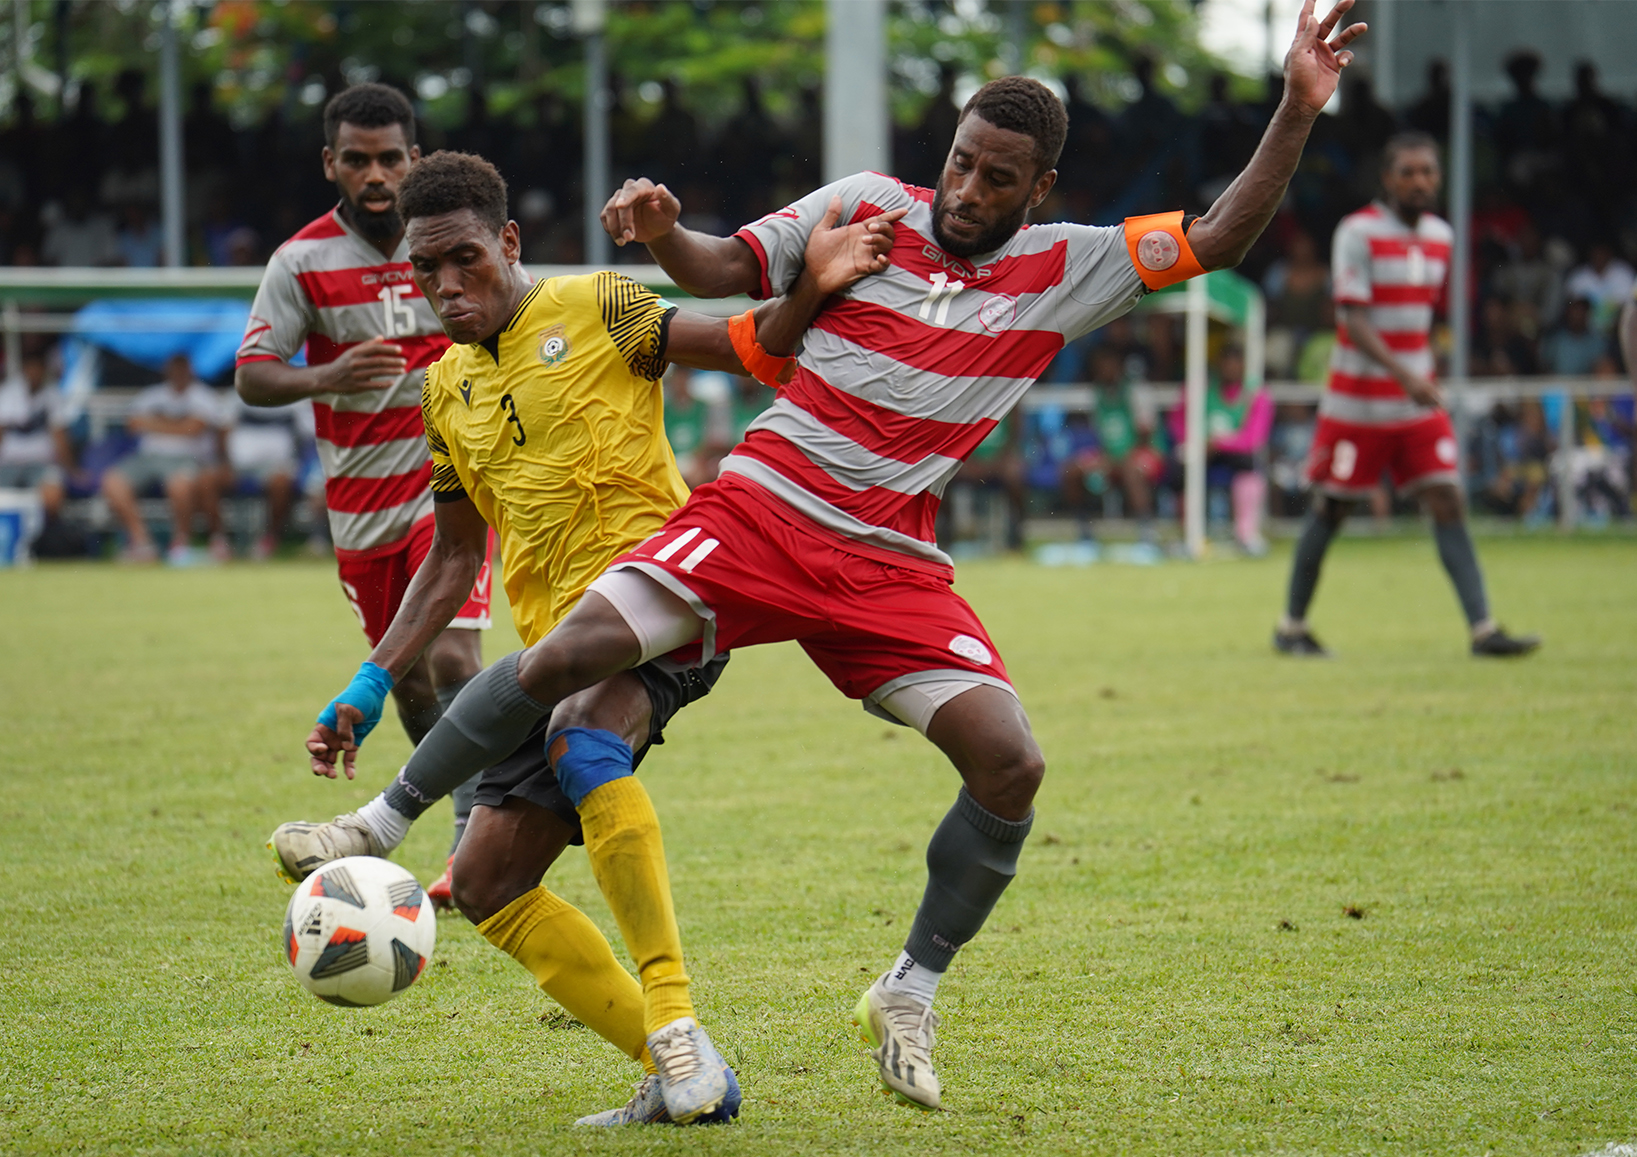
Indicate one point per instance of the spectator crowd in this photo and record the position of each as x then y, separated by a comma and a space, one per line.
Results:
1554, 233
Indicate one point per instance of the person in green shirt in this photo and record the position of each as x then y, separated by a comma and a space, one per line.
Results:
1119, 451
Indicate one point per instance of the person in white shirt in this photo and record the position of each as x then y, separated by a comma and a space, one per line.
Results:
181, 426
34, 451
264, 449
1605, 281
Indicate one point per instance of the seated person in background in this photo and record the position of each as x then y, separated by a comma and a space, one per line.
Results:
263, 457
179, 424
1574, 348
34, 450
1120, 454
1237, 424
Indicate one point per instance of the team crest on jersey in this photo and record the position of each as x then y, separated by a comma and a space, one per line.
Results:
554, 345
1158, 250
998, 313
971, 649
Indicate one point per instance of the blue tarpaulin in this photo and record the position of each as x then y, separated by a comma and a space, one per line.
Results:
208, 330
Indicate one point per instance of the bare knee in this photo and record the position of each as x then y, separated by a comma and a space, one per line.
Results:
480, 890
1009, 788
454, 656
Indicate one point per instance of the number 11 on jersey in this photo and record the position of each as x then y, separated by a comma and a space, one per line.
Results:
942, 288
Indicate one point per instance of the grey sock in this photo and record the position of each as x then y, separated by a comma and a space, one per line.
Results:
1461, 561
420, 722
1304, 568
487, 721
463, 795
971, 859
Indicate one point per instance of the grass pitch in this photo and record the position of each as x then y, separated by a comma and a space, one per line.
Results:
1379, 905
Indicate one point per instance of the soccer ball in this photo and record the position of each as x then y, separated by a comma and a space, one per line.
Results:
359, 931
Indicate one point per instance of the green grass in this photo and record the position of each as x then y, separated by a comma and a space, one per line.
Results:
1173, 972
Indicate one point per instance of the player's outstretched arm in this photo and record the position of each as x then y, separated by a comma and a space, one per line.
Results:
370, 365
435, 595
1223, 236
644, 213
836, 257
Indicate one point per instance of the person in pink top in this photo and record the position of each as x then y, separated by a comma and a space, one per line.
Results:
1237, 424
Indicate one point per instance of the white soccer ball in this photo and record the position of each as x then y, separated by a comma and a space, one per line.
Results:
359, 931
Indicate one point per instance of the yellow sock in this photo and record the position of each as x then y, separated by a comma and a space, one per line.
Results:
570, 958
628, 858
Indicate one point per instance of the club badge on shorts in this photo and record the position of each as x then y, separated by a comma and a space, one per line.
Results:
554, 345
1158, 250
971, 649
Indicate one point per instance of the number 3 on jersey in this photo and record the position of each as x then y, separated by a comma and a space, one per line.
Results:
397, 319
941, 293
510, 407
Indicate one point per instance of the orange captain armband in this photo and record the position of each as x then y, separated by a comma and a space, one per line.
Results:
1159, 249
763, 366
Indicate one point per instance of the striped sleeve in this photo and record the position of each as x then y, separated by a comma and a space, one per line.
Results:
636, 319
446, 483
281, 317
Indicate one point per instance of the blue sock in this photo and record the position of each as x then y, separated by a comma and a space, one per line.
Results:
585, 758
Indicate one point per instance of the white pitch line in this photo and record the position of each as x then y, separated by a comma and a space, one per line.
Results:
1612, 1150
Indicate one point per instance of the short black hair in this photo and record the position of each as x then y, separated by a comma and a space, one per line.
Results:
447, 182
1403, 142
369, 106
1022, 104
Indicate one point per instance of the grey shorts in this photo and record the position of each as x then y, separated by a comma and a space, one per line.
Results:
28, 475
147, 471
525, 774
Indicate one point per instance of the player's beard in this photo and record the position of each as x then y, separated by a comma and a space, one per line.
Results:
989, 240
375, 226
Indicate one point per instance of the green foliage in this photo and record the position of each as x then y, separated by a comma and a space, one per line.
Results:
288, 55
1174, 971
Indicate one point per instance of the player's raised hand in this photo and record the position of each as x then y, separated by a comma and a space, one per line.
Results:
1315, 60
369, 365
837, 257
640, 211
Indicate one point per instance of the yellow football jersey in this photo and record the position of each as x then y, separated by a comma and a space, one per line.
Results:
555, 430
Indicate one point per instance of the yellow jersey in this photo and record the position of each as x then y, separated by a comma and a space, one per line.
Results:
554, 428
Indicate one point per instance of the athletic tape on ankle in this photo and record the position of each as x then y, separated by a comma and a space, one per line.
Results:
585, 758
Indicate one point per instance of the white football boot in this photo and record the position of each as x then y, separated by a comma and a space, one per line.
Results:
302, 848
647, 1106
900, 1031
692, 1075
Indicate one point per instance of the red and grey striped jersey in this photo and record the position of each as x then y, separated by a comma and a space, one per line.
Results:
905, 373
1398, 271
329, 288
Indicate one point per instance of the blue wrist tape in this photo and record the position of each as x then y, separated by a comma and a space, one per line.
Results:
367, 692
585, 758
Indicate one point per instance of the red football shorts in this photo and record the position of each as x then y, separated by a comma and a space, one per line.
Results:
375, 585
1347, 460
758, 572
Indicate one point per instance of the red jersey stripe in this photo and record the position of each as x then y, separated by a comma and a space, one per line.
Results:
1361, 387
419, 352
1401, 246
1386, 294
1014, 353
320, 229
880, 430
1399, 341
326, 288
359, 428
1016, 275
366, 495
911, 514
